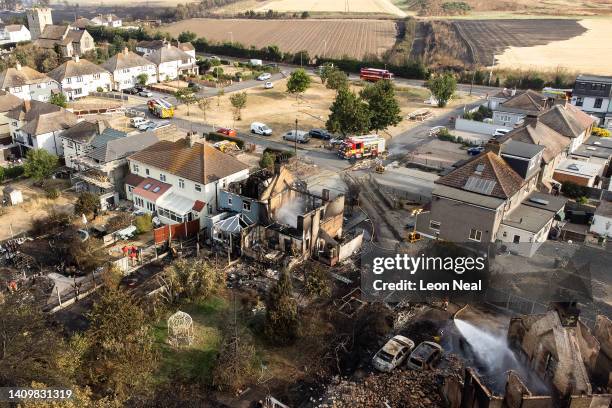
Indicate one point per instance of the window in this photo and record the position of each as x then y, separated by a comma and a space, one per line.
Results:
162, 177
130, 188
434, 225
475, 235
79, 79
181, 183
70, 144
135, 168
229, 201
68, 80
147, 172
246, 205
579, 101
17, 89
96, 76
516, 239
78, 91
198, 187
598, 102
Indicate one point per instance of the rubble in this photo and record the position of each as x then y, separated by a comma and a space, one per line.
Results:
400, 388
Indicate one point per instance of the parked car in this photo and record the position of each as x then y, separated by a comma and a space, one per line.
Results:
193, 86
145, 93
425, 356
227, 132
131, 91
146, 125
264, 77
500, 132
393, 353
268, 85
137, 121
320, 134
475, 151
337, 141
158, 125
300, 136
436, 129
260, 129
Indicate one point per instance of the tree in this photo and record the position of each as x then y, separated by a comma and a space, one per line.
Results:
39, 164
191, 280
58, 99
186, 96
238, 101
142, 79
204, 105
121, 357
337, 79
324, 71
298, 82
317, 282
29, 349
383, 106
187, 36
349, 114
87, 203
442, 88
235, 364
267, 160
282, 325
220, 94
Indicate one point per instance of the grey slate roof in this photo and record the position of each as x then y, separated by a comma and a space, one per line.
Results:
567, 120
120, 147
595, 78
85, 131
528, 218
521, 149
21, 75
468, 197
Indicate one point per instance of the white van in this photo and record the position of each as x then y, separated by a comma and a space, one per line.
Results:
137, 121
260, 129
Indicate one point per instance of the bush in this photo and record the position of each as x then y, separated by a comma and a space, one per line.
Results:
573, 190
217, 137
119, 221
87, 203
143, 223
267, 161
52, 192
100, 89
13, 172
601, 132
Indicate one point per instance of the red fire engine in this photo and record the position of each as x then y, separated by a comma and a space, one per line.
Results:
357, 147
374, 74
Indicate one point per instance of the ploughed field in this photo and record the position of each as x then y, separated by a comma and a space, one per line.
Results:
330, 38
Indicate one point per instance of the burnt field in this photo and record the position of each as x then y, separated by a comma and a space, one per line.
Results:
486, 38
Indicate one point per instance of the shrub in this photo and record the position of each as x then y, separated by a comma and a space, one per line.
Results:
267, 160
601, 132
13, 172
143, 223
118, 222
52, 192
87, 203
573, 190
99, 89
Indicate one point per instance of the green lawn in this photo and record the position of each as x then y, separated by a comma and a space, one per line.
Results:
193, 363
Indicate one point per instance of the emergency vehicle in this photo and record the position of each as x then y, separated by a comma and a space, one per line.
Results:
374, 74
160, 108
357, 147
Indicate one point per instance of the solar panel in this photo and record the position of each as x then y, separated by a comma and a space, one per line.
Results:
479, 185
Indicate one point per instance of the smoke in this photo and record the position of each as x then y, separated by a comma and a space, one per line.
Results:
289, 212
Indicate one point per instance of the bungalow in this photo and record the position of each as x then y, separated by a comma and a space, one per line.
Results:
27, 83
37, 125
172, 62
80, 77
126, 68
195, 171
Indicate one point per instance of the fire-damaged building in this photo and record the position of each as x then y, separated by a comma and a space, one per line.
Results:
272, 214
566, 365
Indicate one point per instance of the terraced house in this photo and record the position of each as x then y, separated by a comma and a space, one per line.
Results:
127, 66
79, 77
27, 83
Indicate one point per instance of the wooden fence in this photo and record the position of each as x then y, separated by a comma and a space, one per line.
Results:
176, 231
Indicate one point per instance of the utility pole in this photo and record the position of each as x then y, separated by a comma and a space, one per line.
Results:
472, 83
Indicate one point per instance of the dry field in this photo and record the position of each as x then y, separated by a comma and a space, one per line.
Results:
487, 38
279, 110
337, 38
590, 52
353, 6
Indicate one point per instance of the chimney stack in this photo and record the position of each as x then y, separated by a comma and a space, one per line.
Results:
493, 146
18, 66
531, 120
126, 51
190, 139
76, 58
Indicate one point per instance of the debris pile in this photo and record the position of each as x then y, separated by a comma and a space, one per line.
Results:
400, 388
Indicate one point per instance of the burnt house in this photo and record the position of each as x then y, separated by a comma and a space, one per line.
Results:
275, 215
